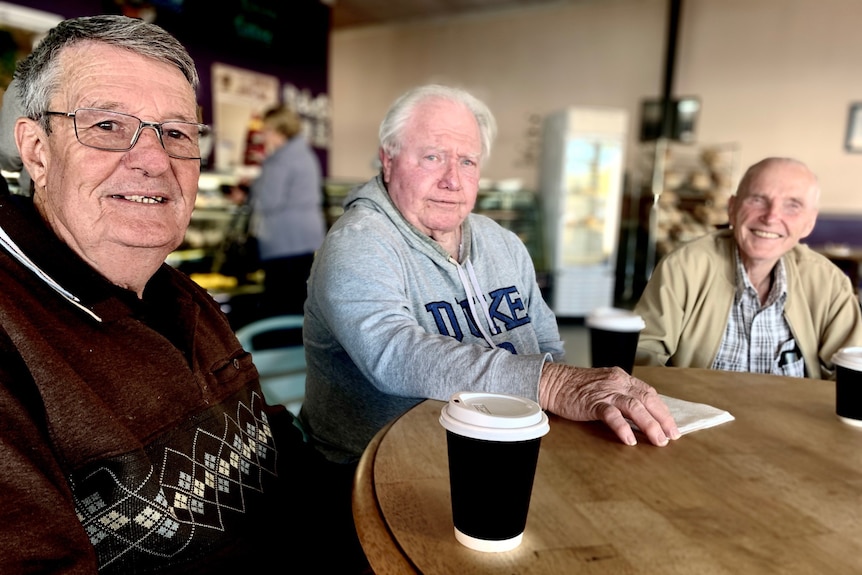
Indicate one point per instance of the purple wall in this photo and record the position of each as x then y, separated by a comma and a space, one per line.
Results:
288, 40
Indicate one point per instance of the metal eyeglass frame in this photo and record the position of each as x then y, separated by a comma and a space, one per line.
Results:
203, 129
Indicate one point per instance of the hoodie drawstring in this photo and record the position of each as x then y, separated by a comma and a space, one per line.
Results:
476, 295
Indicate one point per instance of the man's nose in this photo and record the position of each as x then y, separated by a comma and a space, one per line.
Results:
156, 133
148, 153
771, 211
451, 179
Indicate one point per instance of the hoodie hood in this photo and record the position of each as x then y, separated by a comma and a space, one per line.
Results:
373, 194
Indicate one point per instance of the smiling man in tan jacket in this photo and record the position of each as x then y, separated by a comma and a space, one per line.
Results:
752, 298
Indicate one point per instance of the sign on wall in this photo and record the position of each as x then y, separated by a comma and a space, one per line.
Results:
240, 98
239, 95
314, 111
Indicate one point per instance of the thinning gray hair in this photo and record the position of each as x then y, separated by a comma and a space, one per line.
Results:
401, 111
40, 74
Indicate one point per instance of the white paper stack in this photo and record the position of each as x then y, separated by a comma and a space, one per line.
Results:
690, 416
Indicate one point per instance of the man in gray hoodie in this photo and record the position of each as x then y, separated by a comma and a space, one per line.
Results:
412, 296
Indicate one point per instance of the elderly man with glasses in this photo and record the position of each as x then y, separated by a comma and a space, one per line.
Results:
133, 431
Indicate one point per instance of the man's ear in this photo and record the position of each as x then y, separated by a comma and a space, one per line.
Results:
385, 164
32, 146
809, 226
731, 215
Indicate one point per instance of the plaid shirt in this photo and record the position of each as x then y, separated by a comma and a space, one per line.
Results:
758, 339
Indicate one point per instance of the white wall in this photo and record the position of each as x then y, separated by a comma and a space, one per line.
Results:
775, 77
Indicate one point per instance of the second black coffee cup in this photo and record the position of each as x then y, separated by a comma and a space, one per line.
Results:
614, 337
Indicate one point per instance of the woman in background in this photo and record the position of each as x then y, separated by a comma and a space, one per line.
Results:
287, 215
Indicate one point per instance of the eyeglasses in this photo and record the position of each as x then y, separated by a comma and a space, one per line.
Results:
116, 132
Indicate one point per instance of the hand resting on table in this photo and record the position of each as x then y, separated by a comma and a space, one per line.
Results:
607, 394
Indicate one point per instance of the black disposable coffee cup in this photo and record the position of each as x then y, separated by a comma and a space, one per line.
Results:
493, 443
614, 337
848, 385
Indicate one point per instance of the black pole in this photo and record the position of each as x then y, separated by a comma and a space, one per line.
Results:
667, 126
669, 68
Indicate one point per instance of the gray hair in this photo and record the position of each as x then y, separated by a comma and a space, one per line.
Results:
401, 111
40, 73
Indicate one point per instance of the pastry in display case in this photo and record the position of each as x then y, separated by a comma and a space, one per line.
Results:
517, 209
695, 189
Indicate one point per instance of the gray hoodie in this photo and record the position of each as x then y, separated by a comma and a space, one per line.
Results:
388, 322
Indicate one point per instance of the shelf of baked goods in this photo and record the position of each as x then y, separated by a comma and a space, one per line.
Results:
694, 185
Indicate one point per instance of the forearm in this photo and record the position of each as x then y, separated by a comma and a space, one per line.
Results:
660, 311
843, 327
400, 357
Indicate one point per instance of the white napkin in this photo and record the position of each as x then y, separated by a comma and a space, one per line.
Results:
690, 416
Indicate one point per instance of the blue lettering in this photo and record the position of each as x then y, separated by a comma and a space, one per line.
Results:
514, 306
508, 346
471, 322
503, 300
438, 309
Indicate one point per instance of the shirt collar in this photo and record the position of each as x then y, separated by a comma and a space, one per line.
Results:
779, 280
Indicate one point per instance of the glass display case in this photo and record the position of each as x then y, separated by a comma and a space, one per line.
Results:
517, 210
581, 182
215, 222
216, 253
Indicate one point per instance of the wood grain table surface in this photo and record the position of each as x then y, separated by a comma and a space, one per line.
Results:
777, 490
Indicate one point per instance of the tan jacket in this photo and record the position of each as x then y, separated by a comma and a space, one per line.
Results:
687, 301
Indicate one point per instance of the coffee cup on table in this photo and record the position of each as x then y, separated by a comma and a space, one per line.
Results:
848, 385
614, 337
493, 444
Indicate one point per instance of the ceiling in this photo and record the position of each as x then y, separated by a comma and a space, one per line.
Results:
356, 13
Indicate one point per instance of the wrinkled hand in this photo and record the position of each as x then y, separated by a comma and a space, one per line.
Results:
608, 394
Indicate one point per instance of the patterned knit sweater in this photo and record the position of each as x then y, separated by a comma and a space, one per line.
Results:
133, 434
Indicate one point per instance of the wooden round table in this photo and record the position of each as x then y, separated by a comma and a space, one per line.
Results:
777, 490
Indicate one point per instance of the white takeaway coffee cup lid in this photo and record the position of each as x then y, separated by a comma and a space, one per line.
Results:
494, 416
615, 319
849, 357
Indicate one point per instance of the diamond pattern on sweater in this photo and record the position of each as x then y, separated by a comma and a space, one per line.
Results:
179, 495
